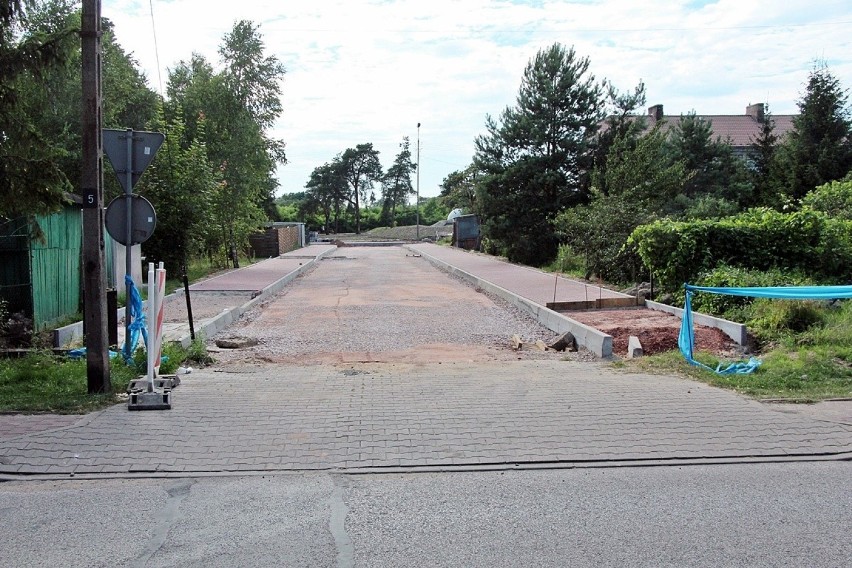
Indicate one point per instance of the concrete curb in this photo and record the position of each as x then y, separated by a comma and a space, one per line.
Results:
735, 331
226, 318
595, 341
67, 334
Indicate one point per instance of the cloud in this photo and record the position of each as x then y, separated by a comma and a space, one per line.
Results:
369, 71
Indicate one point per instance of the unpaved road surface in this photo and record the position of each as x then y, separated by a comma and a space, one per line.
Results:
381, 304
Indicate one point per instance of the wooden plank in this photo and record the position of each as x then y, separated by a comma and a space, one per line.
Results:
571, 306
631, 302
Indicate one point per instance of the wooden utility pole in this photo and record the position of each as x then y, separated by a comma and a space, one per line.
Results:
94, 275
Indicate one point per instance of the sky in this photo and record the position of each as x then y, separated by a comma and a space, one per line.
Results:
370, 71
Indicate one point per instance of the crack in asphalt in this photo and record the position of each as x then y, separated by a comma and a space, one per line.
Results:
337, 523
177, 492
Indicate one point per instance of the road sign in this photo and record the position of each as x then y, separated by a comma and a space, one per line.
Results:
143, 219
134, 156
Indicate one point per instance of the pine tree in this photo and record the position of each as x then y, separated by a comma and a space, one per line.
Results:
536, 158
820, 145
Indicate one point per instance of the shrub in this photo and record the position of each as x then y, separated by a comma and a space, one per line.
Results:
725, 276
771, 318
834, 199
759, 239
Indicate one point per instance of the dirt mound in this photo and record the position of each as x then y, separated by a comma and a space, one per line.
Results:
657, 331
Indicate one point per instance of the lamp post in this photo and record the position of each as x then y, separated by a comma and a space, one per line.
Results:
417, 203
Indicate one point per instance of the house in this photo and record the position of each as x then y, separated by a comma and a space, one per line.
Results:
741, 130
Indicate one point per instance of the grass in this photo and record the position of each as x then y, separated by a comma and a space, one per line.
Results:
43, 382
806, 366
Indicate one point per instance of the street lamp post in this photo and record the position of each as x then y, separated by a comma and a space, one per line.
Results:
417, 203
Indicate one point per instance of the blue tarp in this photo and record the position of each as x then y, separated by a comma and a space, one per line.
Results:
136, 314
686, 339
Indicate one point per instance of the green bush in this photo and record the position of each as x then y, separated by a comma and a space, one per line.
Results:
725, 276
759, 239
834, 199
771, 318
568, 262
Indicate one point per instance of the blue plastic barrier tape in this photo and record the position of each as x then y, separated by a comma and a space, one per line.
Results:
686, 338
80, 352
781, 292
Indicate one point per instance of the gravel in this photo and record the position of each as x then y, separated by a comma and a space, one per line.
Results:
379, 304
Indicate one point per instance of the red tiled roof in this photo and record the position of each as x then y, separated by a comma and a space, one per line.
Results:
742, 129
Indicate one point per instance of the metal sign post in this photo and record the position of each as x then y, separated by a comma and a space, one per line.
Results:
130, 153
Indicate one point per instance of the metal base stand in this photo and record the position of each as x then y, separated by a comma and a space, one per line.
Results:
155, 400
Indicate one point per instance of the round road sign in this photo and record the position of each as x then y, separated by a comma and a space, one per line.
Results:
143, 219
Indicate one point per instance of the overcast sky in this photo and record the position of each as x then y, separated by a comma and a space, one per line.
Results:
368, 71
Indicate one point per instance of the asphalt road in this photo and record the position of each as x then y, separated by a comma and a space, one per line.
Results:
794, 514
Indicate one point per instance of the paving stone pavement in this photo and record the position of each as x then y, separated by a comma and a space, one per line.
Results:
268, 418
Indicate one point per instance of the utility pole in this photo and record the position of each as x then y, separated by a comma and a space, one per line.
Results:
417, 204
94, 277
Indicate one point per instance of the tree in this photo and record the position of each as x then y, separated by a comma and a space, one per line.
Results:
620, 125
361, 169
819, 148
396, 183
458, 190
642, 185
180, 183
56, 97
31, 180
765, 164
536, 158
237, 105
253, 78
328, 192
714, 169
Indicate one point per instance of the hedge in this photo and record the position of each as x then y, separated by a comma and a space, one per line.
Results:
759, 239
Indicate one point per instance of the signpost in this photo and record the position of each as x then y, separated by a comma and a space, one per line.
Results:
131, 220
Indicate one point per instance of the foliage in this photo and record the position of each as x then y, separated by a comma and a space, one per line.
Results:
725, 276
713, 169
598, 232
761, 239
361, 168
834, 199
396, 183
535, 159
642, 185
568, 261
705, 207
180, 183
820, 145
458, 190
432, 210
32, 44
768, 318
